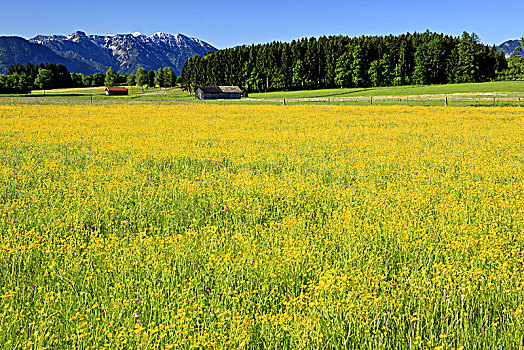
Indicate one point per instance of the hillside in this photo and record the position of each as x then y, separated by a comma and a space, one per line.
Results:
15, 50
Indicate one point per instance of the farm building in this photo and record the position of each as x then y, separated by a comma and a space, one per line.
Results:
116, 91
218, 92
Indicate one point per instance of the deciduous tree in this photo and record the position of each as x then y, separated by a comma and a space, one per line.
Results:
44, 79
131, 80
111, 77
141, 77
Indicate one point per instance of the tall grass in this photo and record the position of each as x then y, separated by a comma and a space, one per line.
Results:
203, 226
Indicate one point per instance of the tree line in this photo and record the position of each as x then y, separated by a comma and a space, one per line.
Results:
21, 79
341, 61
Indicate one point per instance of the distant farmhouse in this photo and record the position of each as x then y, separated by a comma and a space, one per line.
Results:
219, 92
110, 91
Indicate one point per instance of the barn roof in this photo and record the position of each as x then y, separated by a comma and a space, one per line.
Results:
210, 89
116, 88
221, 89
231, 89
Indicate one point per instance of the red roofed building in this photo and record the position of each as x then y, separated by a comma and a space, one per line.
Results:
116, 91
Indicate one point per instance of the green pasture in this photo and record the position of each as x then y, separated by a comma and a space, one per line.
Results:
499, 93
413, 90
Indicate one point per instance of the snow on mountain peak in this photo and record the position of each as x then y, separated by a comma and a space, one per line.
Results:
76, 37
126, 52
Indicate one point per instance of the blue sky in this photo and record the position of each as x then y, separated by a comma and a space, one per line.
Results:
228, 23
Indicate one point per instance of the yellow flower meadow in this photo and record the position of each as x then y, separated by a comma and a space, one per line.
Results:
207, 226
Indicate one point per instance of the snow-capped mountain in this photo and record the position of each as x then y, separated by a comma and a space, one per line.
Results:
510, 48
125, 52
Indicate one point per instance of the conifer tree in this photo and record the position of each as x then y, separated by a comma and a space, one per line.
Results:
343, 76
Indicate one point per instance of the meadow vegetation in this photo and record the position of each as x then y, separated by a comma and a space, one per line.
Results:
261, 227
474, 89
502, 89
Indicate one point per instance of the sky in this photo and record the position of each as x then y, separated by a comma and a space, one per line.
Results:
230, 23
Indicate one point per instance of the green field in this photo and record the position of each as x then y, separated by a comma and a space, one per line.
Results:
134, 93
413, 90
497, 87
500, 93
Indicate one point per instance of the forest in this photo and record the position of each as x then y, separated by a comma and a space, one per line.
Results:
341, 61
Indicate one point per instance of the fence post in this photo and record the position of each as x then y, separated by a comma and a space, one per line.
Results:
371, 100
446, 101
329, 102
493, 101
407, 101
284, 103
91, 99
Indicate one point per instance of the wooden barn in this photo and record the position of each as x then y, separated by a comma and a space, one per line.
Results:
218, 92
111, 91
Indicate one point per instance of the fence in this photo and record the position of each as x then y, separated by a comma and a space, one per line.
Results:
458, 101
454, 101
79, 100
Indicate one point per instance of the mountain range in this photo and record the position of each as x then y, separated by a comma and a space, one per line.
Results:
89, 54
